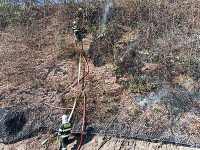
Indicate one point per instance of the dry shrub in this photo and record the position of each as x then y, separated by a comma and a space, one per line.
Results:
160, 15
66, 50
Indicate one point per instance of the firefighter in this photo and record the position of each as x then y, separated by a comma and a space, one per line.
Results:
80, 34
64, 132
79, 14
77, 31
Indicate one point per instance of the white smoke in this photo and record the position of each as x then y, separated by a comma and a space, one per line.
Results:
105, 16
153, 97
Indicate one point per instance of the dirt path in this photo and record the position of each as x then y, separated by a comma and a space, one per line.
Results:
92, 143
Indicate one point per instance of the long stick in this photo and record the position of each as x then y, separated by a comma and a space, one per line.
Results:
79, 68
76, 98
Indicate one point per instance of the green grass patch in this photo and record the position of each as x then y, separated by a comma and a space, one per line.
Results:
155, 110
136, 112
110, 108
138, 88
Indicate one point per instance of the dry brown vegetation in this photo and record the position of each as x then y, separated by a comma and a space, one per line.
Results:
37, 55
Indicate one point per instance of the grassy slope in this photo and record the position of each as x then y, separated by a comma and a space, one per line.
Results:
41, 56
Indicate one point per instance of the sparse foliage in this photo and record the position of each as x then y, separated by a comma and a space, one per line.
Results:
136, 112
155, 110
111, 107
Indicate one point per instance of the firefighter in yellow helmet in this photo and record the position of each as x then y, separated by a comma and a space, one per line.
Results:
76, 30
80, 34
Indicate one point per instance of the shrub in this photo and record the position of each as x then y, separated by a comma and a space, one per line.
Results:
138, 88
110, 108
12, 14
65, 49
155, 110
136, 112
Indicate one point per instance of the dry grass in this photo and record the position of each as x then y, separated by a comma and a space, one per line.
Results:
191, 122
186, 82
47, 42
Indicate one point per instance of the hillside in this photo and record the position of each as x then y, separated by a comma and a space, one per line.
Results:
144, 71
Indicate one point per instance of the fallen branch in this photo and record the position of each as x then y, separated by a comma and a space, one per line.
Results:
57, 106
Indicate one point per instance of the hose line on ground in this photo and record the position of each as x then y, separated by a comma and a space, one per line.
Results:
79, 92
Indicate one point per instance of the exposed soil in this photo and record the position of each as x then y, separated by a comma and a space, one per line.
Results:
92, 143
152, 95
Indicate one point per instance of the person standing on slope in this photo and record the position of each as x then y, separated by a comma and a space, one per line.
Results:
78, 29
64, 132
79, 14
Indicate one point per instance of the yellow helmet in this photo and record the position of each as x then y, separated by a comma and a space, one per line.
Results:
79, 9
75, 22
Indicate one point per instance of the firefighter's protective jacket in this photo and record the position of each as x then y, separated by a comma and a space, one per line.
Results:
76, 29
65, 130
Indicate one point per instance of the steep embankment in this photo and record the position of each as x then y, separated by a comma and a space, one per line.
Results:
153, 94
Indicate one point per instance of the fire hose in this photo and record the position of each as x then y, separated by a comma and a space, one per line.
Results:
78, 92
